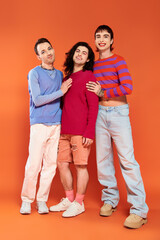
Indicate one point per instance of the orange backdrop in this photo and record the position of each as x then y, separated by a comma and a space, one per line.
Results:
137, 37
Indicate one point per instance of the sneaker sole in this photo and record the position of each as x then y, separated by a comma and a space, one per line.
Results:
25, 213
42, 213
73, 215
61, 210
58, 210
134, 225
107, 214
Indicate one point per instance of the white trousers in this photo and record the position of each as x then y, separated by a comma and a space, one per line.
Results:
42, 157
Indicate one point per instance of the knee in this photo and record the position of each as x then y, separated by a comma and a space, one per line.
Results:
32, 172
82, 171
62, 166
81, 168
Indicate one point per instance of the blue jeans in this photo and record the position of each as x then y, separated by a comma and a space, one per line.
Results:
113, 125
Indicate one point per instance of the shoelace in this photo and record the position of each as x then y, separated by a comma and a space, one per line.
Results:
64, 201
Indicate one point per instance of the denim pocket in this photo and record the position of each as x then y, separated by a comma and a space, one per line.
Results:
123, 111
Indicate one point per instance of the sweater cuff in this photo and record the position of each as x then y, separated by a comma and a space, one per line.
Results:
60, 93
90, 135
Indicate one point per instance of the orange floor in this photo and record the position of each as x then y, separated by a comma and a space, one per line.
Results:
87, 226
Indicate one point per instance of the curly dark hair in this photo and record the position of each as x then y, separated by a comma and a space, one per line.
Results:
69, 64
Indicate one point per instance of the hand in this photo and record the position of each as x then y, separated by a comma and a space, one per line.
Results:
66, 85
86, 142
94, 87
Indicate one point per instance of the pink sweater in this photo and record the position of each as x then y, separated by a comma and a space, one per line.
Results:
80, 107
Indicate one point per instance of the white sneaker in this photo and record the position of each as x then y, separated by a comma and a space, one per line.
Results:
62, 206
25, 208
42, 207
74, 209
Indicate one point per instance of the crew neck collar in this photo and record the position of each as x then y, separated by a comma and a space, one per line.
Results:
77, 72
101, 59
46, 68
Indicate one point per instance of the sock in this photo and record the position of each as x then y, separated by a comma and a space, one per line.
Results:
79, 198
70, 195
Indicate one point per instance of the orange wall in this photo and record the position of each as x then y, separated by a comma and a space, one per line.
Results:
136, 27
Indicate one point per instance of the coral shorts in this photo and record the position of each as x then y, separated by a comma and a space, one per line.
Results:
71, 150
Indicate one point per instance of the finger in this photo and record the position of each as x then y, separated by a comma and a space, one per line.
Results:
91, 87
86, 143
90, 90
83, 140
69, 84
69, 80
91, 84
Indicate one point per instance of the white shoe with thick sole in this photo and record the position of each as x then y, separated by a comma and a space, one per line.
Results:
25, 208
62, 206
74, 209
42, 207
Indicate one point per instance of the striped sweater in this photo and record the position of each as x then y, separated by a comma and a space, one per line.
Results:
113, 75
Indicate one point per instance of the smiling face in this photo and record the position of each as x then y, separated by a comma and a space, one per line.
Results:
45, 53
80, 56
103, 40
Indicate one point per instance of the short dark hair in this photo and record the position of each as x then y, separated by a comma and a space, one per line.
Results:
69, 64
39, 41
108, 29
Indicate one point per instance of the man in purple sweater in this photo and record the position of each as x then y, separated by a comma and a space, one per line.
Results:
79, 115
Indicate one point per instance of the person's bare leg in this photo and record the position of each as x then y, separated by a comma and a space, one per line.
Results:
82, 181
82, 178
67, 182
65, 175
77, 207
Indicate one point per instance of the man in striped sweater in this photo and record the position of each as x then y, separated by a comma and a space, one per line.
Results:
113, 125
